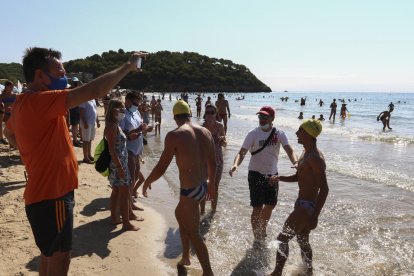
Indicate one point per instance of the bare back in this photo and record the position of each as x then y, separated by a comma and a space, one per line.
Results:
222, 106
194, 147
311, 174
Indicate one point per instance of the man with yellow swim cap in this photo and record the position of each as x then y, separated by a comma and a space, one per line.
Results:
181, 107
313, 191
193, 148
312, 127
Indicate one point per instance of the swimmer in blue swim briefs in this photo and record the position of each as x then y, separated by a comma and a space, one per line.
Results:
193, 148
313, 191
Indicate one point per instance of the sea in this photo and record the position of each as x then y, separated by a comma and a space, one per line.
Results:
367, 224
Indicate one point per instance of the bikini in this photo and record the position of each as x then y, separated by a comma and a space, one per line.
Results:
197, 193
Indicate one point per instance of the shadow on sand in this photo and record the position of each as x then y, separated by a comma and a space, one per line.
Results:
255, 262
10, 161
90, 238
6, 187
95, 206
173, 247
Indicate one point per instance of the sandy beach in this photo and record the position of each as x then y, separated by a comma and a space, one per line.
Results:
98, 247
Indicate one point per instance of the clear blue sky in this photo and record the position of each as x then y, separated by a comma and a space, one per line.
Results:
295, 45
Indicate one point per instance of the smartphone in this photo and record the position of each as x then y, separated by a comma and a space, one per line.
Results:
140, 63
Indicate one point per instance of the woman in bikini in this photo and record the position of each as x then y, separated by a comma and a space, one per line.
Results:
217, 131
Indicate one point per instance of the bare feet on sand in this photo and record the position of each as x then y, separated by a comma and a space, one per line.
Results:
184, 261
130, 227
135, 218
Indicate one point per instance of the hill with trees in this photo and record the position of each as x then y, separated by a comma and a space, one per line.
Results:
170, 71
11, 71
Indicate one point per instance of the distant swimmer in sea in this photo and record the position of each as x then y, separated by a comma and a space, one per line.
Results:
321, 118
302, 101
391, 107
384, 117
313, 191
300, 115
313, 117
333, 109
321, 103
344, 110
194, 152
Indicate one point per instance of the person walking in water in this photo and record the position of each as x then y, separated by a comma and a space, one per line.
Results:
223, 107
384, 117
264, 144
313, 191
193, 148
217, 131
333, 109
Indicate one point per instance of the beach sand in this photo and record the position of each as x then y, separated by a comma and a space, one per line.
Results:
98, 247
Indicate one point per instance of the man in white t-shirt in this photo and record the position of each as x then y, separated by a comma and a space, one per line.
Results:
263, 168
88, 117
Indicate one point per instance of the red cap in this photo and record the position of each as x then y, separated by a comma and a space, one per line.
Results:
267, 110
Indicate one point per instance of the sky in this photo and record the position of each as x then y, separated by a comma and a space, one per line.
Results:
294, 45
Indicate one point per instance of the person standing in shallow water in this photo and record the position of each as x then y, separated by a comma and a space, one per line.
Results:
313, 191
333, 109
262, 165
217, 131
223, 107
193, 148
384, 117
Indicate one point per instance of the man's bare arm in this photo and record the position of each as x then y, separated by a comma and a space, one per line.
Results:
291, 154
228, 107
238, 160
211, 165
289, 178
101, 85
165, 160
317, 165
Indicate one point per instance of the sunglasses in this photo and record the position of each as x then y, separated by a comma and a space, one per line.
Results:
263, 117
210, 112
120, 110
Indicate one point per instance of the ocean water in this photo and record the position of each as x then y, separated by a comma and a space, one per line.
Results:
367, 224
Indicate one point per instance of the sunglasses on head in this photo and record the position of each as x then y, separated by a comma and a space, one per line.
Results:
210, 112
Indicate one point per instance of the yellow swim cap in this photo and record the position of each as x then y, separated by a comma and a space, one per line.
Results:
181, 107
312, 127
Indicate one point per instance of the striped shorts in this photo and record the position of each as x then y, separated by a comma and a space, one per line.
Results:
52, 223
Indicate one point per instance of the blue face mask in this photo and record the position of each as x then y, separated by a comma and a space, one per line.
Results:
133, 108
57, 83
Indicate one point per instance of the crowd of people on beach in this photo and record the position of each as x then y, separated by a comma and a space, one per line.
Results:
57, 119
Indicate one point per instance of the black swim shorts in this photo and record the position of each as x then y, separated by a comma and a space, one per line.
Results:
74, 116
261, 193
52, 223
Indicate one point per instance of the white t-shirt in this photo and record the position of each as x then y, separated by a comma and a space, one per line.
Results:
265, 161
130, 122
89, 112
